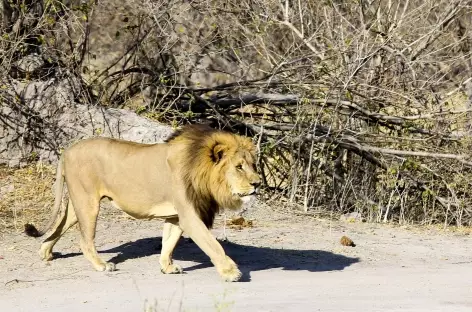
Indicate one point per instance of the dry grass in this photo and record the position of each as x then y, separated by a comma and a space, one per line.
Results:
25, 195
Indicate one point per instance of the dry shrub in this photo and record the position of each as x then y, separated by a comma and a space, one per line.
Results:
28, 196
355, 105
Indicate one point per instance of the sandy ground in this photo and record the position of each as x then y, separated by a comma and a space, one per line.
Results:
289, 263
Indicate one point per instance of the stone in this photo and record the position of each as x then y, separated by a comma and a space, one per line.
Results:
39, 119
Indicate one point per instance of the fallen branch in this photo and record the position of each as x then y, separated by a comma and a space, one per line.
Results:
290, 99
390, 151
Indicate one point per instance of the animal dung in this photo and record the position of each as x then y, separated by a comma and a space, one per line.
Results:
346, 241
239, 222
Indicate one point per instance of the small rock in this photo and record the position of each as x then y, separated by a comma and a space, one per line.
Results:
30, 63
7, 189
346, 241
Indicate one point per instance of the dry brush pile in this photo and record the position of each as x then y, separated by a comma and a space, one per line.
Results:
361, 105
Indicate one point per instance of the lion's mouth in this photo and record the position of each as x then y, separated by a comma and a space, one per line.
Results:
247, 198
249, 194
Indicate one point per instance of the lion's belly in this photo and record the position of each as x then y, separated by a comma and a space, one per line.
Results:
162, 210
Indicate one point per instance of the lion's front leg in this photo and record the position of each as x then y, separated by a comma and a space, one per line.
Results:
199, 233
170, 236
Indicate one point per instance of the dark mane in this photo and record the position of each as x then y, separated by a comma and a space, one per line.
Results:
197, 164
187, 130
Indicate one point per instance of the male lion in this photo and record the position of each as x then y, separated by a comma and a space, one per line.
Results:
185, 181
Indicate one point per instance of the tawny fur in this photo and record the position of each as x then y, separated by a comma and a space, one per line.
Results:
185, 181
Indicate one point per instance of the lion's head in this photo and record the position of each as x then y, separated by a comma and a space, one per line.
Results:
218, 169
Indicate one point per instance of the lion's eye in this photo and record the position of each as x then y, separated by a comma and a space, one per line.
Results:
239, 167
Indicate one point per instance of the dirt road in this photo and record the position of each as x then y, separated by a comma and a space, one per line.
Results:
289, 264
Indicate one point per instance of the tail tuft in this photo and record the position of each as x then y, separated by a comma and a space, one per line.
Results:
31, 230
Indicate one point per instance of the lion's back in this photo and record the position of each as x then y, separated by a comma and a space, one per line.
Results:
101, 153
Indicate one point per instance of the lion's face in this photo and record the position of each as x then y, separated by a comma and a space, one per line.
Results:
218, 166
241, 176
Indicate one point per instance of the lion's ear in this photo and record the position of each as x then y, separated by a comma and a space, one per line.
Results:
219, 151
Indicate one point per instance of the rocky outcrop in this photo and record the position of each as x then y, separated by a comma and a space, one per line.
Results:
38, 119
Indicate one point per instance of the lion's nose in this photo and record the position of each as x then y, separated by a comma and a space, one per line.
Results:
256, 184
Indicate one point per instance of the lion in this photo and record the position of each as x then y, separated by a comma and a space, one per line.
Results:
186, 181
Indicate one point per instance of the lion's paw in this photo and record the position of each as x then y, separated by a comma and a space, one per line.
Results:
172, 269
106, 267
232, 275
109, 267
45, 255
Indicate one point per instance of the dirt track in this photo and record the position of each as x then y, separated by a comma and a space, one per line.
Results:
295, 265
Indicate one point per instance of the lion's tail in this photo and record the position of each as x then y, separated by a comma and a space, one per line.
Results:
30, 229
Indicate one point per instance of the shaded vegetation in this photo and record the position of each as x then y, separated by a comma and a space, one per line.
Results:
355, 105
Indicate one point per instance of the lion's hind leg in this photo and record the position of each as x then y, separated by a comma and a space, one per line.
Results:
86, 208
62, 225
170, 236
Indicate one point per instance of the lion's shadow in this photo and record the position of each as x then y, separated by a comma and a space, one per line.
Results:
248, 258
